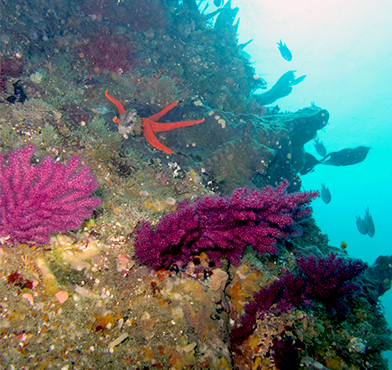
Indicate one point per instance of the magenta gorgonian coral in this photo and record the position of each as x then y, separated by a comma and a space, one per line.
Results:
50, 197
223, 226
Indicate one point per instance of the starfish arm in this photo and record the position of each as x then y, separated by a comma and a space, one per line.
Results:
159, 127
117, 103
151, 138
161, 113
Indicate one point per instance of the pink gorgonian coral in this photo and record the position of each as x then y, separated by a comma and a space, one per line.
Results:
43, 199
223, 226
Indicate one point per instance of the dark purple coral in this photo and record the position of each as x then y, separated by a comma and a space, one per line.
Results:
44, 199
285, 353
329, 280
223, 226
284, 294
326, 280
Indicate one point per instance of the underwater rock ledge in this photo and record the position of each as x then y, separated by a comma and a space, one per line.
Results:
239, 150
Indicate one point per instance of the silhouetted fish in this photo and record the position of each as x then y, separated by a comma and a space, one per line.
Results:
366, 225
310, 162
284, 51
361, 225
218, 3
320, 148
325, 194
346, 157
370, 224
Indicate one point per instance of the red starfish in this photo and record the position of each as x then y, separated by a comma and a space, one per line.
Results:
150, 124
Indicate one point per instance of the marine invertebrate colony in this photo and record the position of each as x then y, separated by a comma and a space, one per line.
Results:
37, 201
326, 280
223, 226
286, 293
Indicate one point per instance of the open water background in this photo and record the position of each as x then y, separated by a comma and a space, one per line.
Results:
344, 48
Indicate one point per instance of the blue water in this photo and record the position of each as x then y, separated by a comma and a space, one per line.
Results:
344, 48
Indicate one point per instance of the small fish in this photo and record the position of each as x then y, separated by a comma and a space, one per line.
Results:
325, 194
346, 157
362, 225
320, 148
218, 3
366, 225
310, 162
284, 51
343, 245
19, 94
370, 224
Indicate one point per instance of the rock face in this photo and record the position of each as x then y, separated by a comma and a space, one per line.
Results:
240, 150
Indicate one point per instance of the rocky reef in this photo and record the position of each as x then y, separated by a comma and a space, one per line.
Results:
240, 150
83, 299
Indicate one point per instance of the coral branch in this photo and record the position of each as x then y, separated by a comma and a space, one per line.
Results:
326, 280
223, 226
329, 280
37, 201
284, 294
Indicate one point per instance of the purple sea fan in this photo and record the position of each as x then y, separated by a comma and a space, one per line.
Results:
36, 201
223, 226
284, 294
329, 280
